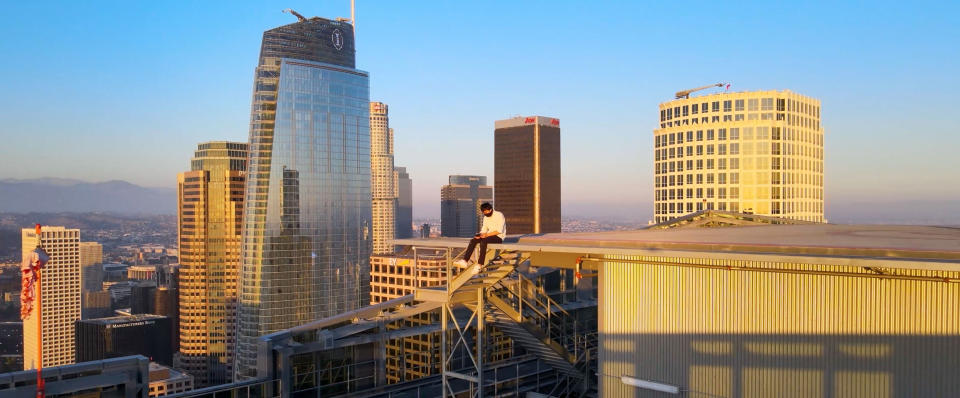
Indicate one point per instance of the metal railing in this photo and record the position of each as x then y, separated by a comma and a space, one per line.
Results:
534, 305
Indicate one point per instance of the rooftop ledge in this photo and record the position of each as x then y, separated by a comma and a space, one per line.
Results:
894, 246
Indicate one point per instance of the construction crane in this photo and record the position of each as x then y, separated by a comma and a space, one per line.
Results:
686, 93
296, 14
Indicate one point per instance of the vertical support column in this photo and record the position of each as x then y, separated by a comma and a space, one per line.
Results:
416, 269
443, 345
480, 322
447, 273
381, 359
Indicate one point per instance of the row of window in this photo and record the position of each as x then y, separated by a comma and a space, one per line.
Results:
752, 104
668, 208
776, 207
759, 148
773, 193
698, 193
762, 178
790, 119
749, 163
749, 133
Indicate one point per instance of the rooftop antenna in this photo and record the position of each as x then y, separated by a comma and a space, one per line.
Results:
353, 17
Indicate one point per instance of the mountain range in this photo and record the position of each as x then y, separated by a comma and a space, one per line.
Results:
65, 195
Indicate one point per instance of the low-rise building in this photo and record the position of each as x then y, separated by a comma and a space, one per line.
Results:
166, 380
124, 335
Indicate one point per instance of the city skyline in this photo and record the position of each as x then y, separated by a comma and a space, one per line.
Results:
286, 277
902, 67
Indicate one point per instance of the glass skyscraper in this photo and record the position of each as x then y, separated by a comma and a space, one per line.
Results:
460, 202
307, 219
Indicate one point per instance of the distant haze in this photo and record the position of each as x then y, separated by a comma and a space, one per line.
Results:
55, 195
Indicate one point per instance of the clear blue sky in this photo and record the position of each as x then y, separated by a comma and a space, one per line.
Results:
124, 90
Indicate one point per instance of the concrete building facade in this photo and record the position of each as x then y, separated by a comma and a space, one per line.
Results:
758, 152
527, 173
210, 223
61, 292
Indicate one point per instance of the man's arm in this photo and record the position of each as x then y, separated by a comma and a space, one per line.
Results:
489, 234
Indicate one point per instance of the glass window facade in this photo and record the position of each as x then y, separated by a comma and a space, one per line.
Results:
307, 234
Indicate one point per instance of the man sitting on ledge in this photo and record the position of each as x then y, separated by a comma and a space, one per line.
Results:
493, 231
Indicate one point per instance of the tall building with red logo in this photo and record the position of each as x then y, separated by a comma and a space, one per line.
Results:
527, 173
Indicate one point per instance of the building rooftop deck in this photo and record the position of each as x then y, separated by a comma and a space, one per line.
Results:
853, 243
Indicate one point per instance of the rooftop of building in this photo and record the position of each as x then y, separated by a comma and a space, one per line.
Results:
922, 247
518, 121
891, 241
694, 96
160, 372
117, 320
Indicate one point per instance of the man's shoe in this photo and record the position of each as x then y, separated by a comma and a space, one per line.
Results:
461, 263
476, 269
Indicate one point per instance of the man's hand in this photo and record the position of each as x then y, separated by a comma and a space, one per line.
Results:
481, 236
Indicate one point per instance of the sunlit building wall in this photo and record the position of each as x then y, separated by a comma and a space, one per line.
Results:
209, 219
757, 152
782, 326
60, 291
382, 186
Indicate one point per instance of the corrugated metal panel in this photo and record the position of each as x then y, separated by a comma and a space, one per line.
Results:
759, 334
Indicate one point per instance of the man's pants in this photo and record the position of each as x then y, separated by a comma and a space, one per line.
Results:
483, 247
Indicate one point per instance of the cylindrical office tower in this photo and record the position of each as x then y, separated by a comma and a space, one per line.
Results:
758, 152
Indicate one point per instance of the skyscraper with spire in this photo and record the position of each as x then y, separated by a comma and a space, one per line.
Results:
382, 185
307, 233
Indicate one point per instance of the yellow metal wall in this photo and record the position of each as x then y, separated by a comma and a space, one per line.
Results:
716, 332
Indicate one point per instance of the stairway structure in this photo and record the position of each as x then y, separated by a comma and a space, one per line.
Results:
503, 294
